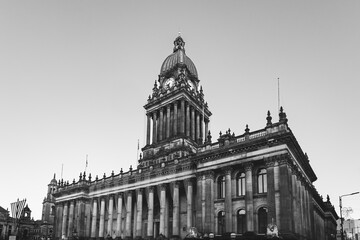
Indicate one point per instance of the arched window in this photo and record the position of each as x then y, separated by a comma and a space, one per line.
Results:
262, 219
262, 181
221, 222
241, 221
221, 187
240, 184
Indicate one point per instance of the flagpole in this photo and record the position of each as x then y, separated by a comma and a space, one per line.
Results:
86, 162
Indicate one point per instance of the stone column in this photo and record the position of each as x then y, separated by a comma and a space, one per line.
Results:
175, 119
119, 214
162, 208
161, 124
59, 220
87, 219
168, 121
189, 198
110, 216
94, 216
154, 128
295, 216
249, 197
64, 220
102, 217
199, 203
139, 211
285, 197
80, 220
128, 215
206, 130
277, 193
176, 211
209, 203
197, 127
228, 201
182, 117
150, 226
71, 219
148, 128
270, 191
188, 120
193, 123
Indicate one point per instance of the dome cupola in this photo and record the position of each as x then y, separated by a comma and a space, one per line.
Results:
178, 59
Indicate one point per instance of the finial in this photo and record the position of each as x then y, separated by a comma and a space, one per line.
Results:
328, 198
179, 34
104, 176
247, 130
80, 177
268, 119
209, 137
90, 177
130, 169
220, 133
282, 116
112, 173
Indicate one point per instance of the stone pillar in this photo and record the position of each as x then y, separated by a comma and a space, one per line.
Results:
161, 124
209, 202
162, 208
64, 220
188, 120
148, 128
154, 128
206, 130
175, 119
87, 219
189, 206
182, 117
94, 217
80, 220
71, 219
139, 212
128, 215
249, 203
285, 199
59, 220
193, 123
176, 211
119, 215
168, 121
102, 218
228, 201
270, 191
199, 203
150, 226
277, 193
295, 216
110, 216
197, 127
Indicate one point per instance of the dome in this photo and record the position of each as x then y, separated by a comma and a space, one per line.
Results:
178, 58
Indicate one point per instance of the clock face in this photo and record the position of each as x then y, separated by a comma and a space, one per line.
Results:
169, 83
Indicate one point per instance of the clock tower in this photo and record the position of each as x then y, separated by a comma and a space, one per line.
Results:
177, 115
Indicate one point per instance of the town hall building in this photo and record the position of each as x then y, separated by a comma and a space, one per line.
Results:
187, 178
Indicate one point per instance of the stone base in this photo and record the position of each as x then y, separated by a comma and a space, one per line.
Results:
175, 237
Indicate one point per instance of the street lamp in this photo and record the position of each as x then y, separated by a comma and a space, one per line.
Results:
341, 219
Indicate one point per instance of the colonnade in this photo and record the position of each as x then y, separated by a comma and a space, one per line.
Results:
168, 208
139, 213
179, 118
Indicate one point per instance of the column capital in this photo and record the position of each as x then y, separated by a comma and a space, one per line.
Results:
139, 191
227, 170
270, 162
151, 189
248, 166
163, 186
188, 181
209, 175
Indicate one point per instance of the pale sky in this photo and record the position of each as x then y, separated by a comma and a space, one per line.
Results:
75, 75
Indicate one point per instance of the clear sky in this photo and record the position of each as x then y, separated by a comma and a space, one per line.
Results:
75, 75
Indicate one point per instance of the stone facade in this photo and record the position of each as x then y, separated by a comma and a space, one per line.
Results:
237, 184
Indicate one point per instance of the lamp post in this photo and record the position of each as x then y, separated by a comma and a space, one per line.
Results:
341, 219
